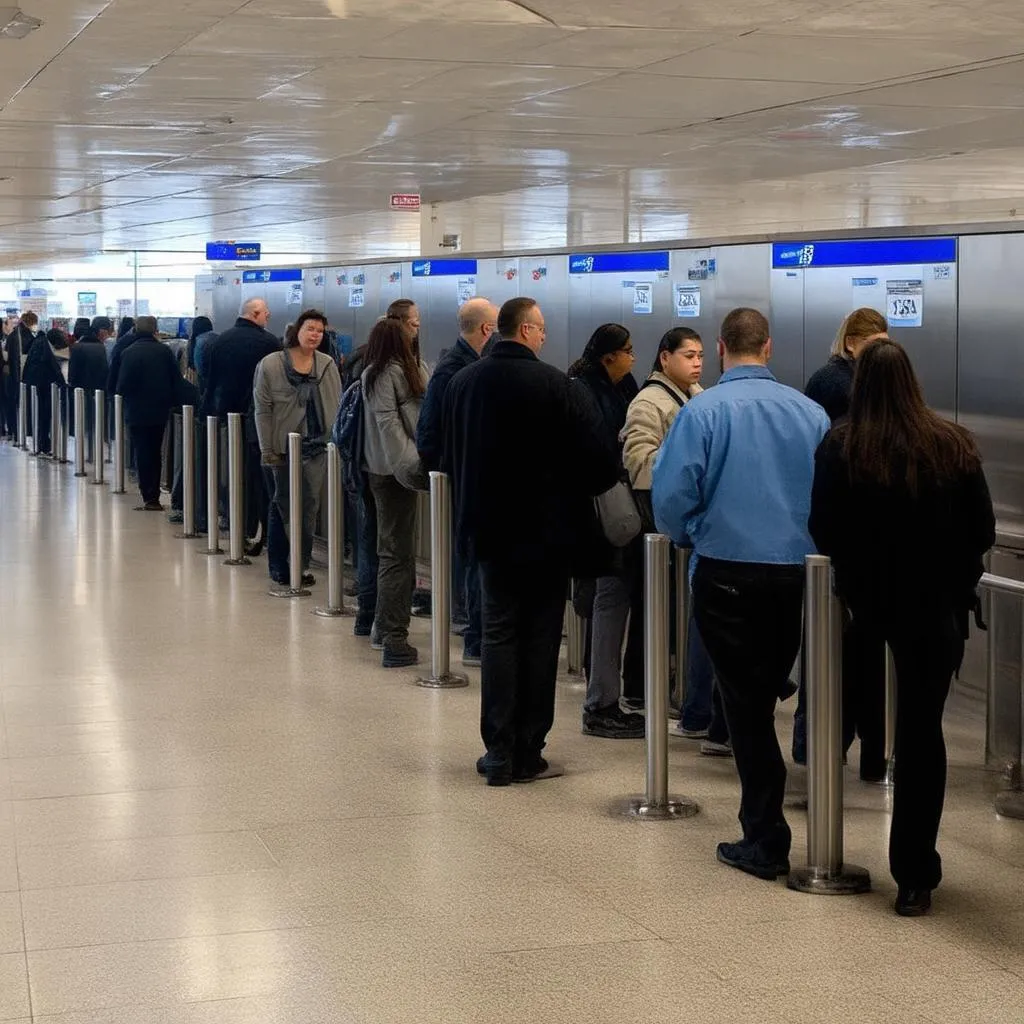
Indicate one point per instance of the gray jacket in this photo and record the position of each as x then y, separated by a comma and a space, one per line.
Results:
391, 414
278, 412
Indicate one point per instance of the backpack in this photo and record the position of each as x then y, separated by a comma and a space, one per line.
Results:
348, 434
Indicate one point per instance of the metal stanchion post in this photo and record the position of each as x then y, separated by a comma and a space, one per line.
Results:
295, 589
236, 493
656, 804
678, 694
825, 873
890, 716
64, 423
79, 432
575, 638
441, 675
118, 487
23, 416
212, 486
335, 538
188, 471
35, 420
54, 421
99, 433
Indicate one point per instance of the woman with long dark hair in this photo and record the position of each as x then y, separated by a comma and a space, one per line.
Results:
394, 383
901, 505
604, 370
41, 371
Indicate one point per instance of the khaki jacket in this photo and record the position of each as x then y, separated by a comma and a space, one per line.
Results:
649, 416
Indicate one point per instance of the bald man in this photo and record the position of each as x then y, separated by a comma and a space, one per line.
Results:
478, 320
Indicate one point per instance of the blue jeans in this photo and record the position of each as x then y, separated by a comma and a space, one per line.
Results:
697, 705
366, 554
471, 589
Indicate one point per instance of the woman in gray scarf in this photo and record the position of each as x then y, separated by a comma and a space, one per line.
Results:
297, 390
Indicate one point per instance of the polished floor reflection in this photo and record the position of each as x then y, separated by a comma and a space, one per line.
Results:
217, 807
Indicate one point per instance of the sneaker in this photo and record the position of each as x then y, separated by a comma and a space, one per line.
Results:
363, 625
688, 734
613, 723
673, 714
376, 643
540, 769
752, 861
913, 902
352, 590
459, 627
471, 658
399, 655
175, 516
709, 748
497, 773
152, 506
632, 705
308, 579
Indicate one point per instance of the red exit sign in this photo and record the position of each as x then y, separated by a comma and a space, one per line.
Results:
405, 201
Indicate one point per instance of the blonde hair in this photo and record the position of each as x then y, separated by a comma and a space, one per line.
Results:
861, 323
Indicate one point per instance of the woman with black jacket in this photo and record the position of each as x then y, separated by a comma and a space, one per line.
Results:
41, 370
604, 370
901, 505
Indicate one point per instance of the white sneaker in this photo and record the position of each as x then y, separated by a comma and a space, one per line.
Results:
711, 749
688, 734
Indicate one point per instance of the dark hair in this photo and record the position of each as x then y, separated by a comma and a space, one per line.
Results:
126, 324
399, 309
147, 325
671, 341
81, 328
291, 336
891, 435
608, 338
30, 318
512, 315
387, 344
200, 325
57, 338
744, 332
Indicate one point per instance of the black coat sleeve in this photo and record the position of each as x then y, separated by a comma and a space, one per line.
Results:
429, 439
830, 499
588, 458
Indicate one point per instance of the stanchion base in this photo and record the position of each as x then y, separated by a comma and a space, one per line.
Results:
212, 551
79, 475
187, 536
675, 808
850, 880
333, 613
288, 592
98, 483
118, 490
450, 681
238, 561
1010, 804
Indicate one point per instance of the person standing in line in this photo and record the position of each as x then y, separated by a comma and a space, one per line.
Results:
863, 649
525, 452
152, 385
394, 383
478, 319
894, 484
297, 391
88, 368
733, 480
41, 370
11, 397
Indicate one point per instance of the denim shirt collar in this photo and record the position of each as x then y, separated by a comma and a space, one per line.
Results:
746, 372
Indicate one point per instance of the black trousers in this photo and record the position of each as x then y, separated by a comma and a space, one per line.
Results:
523, 610
149, 450
864, 693
927, 649
749, 616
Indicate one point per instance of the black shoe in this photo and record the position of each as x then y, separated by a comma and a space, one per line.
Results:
352, 590
399, 655
308, 579
751, 860
255, 549
913, 902
613, 723
539, 769
499, 775
152, 506
632, 705
363, 625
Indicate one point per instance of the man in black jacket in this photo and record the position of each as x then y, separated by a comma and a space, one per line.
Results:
478, 319
88, 367
151, 384
524, 450
230, 362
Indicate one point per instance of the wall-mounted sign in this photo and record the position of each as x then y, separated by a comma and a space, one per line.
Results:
879, 252
232, 251
687, 300
617, 262
270, 276
444, 268
466, 289
405, 201
87, 304
356, 297
904, 303
643, 298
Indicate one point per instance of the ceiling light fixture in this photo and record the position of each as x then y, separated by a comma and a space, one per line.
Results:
15, 24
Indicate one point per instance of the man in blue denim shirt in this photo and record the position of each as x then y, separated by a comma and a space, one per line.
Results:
734, 477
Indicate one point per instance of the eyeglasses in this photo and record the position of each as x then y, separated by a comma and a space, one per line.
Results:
536, 327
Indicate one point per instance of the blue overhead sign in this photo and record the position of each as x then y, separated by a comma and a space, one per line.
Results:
443, 268
270, 276
617, 262
232, 251
880, 252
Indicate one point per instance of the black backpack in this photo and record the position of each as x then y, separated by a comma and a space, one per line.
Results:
349, 435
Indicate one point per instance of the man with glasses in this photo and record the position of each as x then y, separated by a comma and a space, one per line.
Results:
526, 458
478, 319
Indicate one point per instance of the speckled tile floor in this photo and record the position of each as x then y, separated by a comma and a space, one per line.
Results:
217, 807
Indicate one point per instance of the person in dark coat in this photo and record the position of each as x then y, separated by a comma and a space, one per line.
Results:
88, 365
80, 330
230, 362
605, 372
863, 650
42, 369
477, 321
200, 325
893, 485
525, 452
151, 384
16, 345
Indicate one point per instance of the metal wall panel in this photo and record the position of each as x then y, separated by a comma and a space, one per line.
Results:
227, 299
787, 322
546, 279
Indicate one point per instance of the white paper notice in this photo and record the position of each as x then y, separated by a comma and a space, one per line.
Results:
467, 289
687, 299
356, 297
295, 294
643, 298
904, 303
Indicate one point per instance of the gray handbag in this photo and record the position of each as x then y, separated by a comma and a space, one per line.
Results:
619, 517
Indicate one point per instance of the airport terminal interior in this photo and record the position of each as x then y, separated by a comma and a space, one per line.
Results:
219, 808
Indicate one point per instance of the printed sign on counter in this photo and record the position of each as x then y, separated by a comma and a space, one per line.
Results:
687, 300
643, 298
904, 303
467, 289
356, 297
